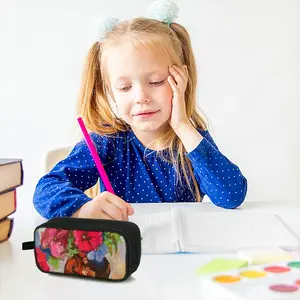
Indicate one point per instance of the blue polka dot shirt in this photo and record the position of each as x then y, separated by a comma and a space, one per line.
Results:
137, 175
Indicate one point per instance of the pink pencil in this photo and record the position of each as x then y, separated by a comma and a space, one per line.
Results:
96, 157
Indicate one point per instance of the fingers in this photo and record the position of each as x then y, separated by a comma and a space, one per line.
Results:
122, 205
117, 208
106, 216
180, 76
113, 211
130, 210
173, 85
182, 71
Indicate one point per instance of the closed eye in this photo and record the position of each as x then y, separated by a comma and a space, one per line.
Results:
157, 82
125, 88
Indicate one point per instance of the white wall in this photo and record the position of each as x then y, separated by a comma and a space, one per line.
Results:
249, 81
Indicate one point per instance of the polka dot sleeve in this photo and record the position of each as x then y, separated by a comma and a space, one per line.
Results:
61, 192
219, 178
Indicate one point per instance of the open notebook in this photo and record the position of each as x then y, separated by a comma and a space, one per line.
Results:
180, 230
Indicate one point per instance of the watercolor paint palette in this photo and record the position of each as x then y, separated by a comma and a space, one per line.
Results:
267, 282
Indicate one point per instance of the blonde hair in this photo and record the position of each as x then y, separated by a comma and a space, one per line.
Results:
94, 105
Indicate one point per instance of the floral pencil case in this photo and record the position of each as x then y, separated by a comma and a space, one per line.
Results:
102, 249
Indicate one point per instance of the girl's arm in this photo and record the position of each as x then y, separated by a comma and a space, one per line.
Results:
61, 192
219, 178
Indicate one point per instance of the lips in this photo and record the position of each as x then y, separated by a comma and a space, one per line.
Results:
145, 113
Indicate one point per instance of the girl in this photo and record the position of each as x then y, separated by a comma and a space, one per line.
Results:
159, 148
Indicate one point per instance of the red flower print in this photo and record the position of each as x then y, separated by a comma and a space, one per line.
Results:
42, 259
87, 241
56, 240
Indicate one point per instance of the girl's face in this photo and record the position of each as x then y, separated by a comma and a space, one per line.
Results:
139, 86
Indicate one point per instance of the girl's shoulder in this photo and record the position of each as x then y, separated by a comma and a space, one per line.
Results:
105, 144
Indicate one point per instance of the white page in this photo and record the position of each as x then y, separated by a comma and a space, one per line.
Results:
232, 230
156, 231
176, 226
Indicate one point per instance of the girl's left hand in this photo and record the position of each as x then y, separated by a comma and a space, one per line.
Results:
178, 82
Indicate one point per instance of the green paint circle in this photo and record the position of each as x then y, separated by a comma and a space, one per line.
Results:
294, 264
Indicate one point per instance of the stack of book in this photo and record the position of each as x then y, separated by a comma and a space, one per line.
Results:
11, 177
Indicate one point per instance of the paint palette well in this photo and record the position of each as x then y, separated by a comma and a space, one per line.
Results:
267, 282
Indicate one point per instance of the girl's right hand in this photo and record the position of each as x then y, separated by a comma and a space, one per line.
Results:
105, 206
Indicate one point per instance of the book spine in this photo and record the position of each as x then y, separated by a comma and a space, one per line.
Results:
15, 205
21, 182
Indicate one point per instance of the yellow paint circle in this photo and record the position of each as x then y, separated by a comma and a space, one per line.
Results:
226, 279
253, 274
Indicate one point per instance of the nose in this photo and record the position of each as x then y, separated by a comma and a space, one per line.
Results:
141, 95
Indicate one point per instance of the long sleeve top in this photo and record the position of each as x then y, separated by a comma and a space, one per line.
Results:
137, 175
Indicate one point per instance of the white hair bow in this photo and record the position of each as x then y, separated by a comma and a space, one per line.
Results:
165, 11
105, 26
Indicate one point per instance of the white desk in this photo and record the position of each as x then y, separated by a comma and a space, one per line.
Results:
158, 277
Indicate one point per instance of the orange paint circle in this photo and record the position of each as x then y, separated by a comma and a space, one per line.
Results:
253, 274
297, 281
226, 279
277, 269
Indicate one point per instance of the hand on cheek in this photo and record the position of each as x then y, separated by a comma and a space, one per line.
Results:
178, 81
